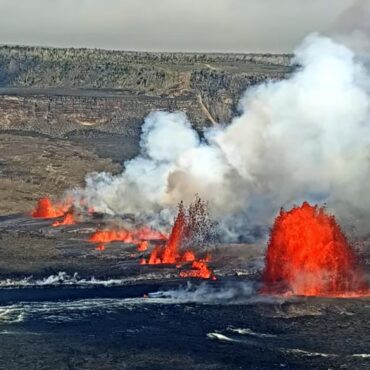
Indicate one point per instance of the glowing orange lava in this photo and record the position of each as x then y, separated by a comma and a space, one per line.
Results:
100, 248
125, 236
199, 269
188, 256
68, 219
45, 209
143, 246
108, 236
171, 252
309, 255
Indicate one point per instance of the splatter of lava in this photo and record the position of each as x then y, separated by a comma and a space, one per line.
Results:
309, 255
172, 253
68, 219
46, 209
108, 236
140, 237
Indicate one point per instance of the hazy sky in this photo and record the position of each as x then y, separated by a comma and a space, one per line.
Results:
174, 25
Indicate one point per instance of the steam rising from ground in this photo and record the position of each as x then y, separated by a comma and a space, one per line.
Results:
304, 138
236, 292
204, 293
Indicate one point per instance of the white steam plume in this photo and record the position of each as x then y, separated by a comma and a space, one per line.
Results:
304, 138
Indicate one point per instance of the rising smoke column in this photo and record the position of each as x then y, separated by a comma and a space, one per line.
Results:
304, 138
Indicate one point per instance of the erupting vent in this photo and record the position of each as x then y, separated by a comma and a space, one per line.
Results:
309, 255
45, 209
68, 219
191, 225
170, 253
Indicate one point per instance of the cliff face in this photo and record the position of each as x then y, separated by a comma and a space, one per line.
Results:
57, 91
53, 114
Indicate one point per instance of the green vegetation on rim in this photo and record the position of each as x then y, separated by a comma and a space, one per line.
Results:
140, 72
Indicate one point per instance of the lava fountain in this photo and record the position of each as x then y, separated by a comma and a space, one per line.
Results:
308, 254
46, 209
170, 253
187, 227
68, 219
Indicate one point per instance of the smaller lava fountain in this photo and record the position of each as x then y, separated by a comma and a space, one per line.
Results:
189, 225
170, 253
68, 219
46, 209
309, 255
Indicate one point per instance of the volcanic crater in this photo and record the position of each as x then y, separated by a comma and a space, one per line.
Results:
156, 299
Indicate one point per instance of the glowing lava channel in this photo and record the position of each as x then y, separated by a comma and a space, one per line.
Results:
140, 237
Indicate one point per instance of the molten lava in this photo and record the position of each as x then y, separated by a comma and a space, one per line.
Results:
108, 236
199, 269
45, 209
125, 236
188, 256
143, 246
309, 255
171, 252
68, 219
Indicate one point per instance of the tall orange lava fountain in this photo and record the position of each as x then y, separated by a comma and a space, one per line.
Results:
309, 255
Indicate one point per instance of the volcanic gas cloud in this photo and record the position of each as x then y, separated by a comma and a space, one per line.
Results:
309, 255
306, 136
